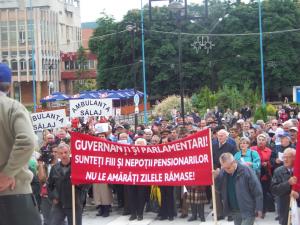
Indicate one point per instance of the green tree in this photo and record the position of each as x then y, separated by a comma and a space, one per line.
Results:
82, 84
233, 61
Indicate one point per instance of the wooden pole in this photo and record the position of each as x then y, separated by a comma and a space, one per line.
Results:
213, 189
73, 205
290, 210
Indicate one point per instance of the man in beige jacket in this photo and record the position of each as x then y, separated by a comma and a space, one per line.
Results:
17, 204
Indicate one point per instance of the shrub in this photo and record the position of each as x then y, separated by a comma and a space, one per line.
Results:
260, 114
165, 107
271, 110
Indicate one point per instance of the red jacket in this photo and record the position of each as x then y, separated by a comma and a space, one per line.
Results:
265, 156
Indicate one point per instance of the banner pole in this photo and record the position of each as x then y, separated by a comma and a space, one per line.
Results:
290, 209
213, 189
73, 205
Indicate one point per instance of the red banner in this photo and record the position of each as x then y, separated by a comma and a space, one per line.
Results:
297, 163
184, 162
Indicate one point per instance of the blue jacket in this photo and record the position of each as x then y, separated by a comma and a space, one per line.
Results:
251, 156
248, 191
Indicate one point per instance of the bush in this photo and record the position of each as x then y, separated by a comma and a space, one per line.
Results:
271, 110
261, 114
165, 107
204, 99
227, 97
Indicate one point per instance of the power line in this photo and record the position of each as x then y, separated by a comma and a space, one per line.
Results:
227, 35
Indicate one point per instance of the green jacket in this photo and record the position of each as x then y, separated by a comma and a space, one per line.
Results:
17, 142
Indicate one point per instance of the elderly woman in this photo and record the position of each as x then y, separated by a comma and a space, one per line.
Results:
102, 192
137, 194
265, 174
248, 157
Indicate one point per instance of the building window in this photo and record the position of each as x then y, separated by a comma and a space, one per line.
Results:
4, 36
23, 64
4, 54
22, 53
91, 64
13, 54
14, 65
30, 64
67, 65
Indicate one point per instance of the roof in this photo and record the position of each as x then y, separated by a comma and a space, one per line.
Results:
112, 94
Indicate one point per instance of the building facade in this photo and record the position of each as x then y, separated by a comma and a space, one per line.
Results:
69, 66
33, 33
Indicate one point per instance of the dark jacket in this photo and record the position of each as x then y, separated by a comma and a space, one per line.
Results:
280, 187
248, 191
60, 187
218, 151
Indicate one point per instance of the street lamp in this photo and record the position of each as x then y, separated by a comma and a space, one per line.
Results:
217, 23
132, 29
177, 7
50, 67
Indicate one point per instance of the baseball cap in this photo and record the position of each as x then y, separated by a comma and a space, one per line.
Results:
5, 73
294, 128
284, 134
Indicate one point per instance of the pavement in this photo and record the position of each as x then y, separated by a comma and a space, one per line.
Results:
115, 218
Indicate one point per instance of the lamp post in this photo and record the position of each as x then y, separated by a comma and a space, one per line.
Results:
261, 55
33, 57
177, 7
132, 29
144, 65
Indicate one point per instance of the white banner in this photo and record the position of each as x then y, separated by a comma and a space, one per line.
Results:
49, 120
295, 212
91, 107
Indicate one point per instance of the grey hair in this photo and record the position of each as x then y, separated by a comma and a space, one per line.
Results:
224, 132
50, 135
5, 86
226, 158
63, 145
245, 139
290, 150
262, 136
141, 140
148, 131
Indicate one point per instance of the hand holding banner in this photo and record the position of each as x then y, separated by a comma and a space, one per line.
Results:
183, 162
297, 164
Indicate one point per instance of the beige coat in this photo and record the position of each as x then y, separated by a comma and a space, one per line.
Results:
17, 142
102, 194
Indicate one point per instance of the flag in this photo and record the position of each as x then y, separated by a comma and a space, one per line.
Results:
297, 163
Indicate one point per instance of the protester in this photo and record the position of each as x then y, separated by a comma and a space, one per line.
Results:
265, 171
282, 182
60, 190
102, 193
196, 197
17, 204
137, 194
240, 189
43, 172
218, 149
293, 131
248, 157
167, 198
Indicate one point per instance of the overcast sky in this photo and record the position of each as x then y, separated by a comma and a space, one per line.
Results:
90, 9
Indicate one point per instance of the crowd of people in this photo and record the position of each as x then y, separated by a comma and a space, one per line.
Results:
261, 153
253, 167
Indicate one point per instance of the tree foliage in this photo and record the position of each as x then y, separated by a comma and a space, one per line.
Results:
226, 97
79, 84
232, 62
